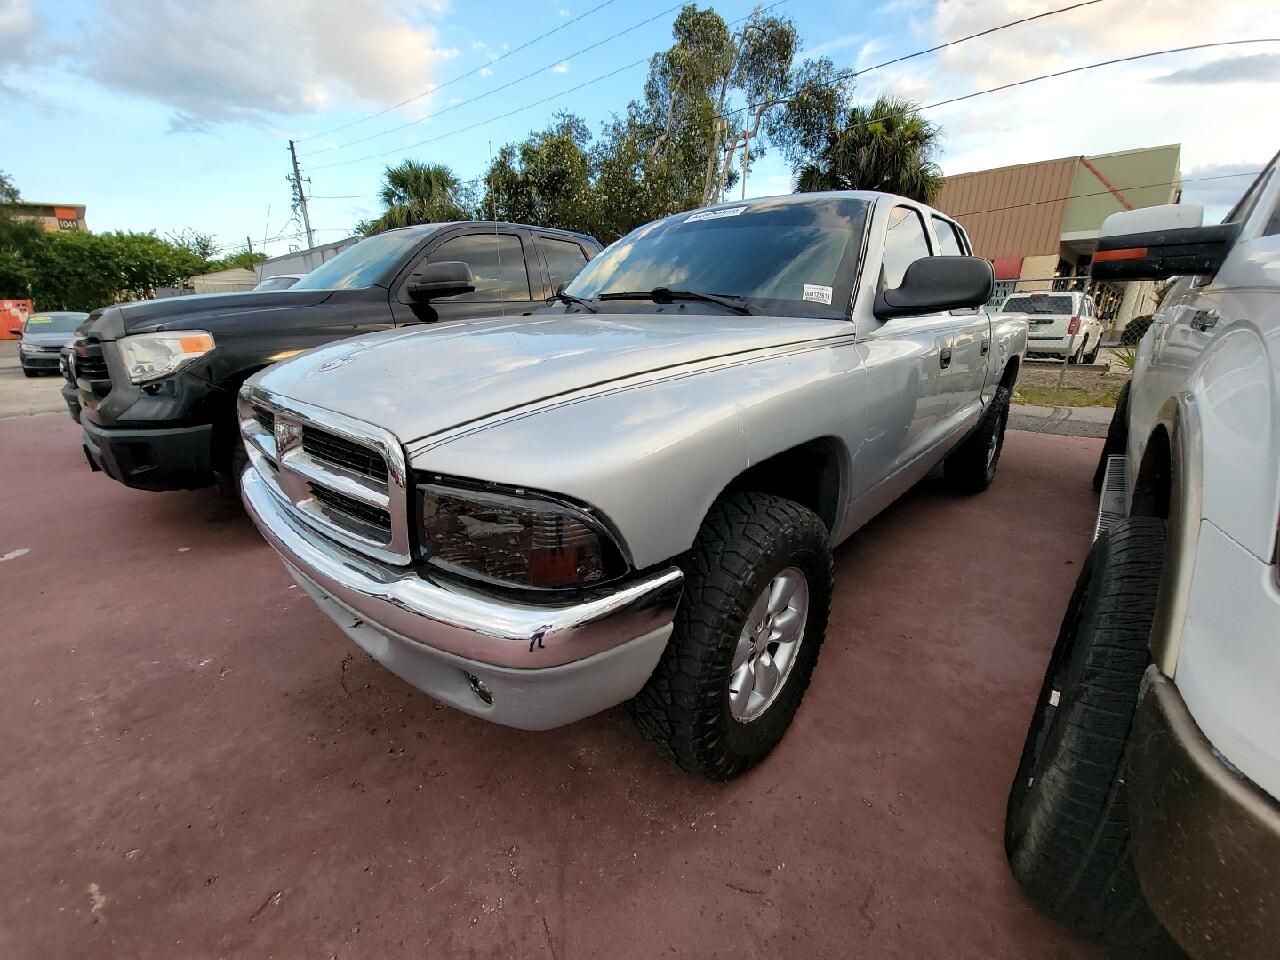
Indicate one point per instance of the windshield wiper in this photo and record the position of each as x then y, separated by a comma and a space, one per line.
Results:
570, 298
666, 295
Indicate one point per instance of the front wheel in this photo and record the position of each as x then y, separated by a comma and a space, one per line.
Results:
757, 592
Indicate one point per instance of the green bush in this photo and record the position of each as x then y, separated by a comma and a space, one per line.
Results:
1133, 333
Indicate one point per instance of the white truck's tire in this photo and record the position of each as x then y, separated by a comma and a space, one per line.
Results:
1067, 826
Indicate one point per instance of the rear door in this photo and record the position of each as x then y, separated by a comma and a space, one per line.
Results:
970, 336
499, 261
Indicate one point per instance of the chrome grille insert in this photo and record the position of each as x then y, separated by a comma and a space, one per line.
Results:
344, 477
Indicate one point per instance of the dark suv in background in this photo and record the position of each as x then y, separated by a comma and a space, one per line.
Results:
154, 383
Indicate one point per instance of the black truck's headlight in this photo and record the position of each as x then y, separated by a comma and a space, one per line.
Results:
515, 538
151, 356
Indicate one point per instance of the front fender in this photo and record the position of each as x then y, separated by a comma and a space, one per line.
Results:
654, 456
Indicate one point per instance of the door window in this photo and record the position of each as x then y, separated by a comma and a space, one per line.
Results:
905, 242
496, 261
948, 240
564, 259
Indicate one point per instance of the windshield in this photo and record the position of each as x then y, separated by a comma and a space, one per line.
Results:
364, 264
54, 322
790, 256
1038, 303
277, 283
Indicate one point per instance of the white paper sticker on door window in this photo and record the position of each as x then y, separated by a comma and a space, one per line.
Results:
715, 214
817, 293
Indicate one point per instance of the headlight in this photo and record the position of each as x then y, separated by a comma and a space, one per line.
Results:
150, 356
28, 347
516, 538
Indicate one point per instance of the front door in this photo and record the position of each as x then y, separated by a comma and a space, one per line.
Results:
499, 263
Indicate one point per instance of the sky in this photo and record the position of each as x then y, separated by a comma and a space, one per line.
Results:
169, 116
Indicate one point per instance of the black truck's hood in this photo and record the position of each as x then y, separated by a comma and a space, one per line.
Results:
199, 312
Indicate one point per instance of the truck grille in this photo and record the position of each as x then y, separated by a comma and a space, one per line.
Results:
350, 507
91, 364
343, 453
343, 477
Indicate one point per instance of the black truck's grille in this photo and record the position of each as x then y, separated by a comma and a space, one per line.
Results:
336, 450
92, 366
371, 516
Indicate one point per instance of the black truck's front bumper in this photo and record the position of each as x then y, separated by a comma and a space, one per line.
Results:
1207, 839
173, 458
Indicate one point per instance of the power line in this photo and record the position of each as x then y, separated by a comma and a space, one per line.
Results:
506, 86
930, 106
461, 76
835, 80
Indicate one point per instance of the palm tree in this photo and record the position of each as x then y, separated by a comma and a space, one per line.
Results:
886, 146
416, 192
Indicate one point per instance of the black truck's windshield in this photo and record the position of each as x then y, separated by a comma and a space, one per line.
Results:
780, 255
362, 265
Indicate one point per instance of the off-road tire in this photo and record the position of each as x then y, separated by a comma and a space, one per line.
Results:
968, 469
1067, 827
1117, 437
746, 540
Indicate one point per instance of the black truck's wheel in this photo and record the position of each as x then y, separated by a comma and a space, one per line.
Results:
756, 597
1117, 437
1067, 829
30, 373
971, 467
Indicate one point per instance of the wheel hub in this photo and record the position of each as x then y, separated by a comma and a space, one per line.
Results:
768, 644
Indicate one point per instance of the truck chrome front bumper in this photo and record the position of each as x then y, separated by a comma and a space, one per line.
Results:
526, 665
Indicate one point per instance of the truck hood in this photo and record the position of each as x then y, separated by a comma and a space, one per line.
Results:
429, 379
198, 312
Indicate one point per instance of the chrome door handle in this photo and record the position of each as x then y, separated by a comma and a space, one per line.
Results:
944, 357
986, 347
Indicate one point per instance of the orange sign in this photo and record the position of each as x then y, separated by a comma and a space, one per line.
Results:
13, 314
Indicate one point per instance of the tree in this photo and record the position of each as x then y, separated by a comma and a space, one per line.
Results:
416, 192
885, 146
8, 192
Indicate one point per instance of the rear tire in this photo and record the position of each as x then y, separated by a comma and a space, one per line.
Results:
971, 467
1092, 356
747, 543
1067, 827
1117, 437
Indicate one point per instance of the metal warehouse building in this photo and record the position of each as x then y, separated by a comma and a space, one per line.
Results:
1038, 222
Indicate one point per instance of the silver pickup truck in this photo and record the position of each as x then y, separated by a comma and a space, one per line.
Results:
633, 494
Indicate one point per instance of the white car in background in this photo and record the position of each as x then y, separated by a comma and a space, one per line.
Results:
1148, 785
1060, 324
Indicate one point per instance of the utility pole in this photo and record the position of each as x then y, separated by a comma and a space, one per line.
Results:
301, 195
248, 242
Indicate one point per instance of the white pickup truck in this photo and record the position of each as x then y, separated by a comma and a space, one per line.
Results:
634, 493
1148, 785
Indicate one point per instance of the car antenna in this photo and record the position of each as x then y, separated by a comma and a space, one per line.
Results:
493, 212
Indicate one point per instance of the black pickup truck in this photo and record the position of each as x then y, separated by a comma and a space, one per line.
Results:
154, 383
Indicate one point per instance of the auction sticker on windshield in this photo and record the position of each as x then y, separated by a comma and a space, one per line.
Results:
817, 293
715, 214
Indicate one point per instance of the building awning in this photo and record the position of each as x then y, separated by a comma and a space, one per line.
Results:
1007, 268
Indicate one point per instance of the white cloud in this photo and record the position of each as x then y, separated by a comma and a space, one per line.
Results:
486, 71
564, 12
1116, 107
561, 67
242, 60
20, 32
1261, 67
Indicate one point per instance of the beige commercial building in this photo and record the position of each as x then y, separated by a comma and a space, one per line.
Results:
1038, 222
51, 216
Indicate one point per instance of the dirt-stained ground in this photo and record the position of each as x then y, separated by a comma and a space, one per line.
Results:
198, 764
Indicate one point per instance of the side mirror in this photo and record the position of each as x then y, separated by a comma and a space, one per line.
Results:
935, 284
444, 279
1159, 242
